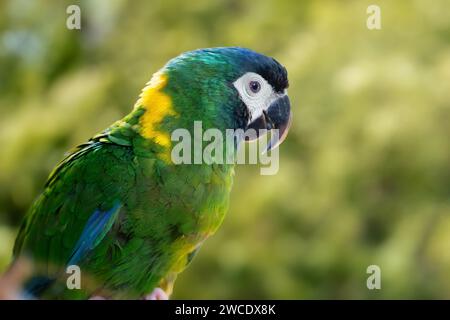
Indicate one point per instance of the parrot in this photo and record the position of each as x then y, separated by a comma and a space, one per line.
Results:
117, 206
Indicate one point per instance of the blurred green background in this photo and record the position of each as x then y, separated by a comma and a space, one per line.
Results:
364, 175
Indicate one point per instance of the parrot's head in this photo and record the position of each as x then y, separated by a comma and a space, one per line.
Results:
225, 88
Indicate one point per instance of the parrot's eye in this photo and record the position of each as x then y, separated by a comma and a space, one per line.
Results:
254, 86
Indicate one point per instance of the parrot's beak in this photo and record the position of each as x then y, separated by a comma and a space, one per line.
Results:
278, 116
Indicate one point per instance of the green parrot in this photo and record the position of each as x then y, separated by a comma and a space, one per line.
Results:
120, 209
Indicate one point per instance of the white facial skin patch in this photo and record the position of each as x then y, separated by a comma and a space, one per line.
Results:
256, 93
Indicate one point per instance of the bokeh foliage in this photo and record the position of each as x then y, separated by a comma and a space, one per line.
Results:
364, 175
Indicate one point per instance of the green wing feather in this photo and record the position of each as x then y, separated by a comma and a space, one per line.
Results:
95, 176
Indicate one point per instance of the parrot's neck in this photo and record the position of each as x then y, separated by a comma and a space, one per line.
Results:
165, 129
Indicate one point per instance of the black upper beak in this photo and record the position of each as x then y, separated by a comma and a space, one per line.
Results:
277, 118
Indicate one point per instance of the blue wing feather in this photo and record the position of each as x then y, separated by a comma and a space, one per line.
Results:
94, 231
96, 228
